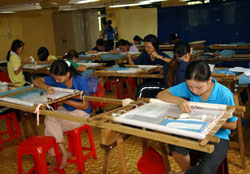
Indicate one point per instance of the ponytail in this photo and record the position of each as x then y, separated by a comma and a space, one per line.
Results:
180, 49
60, 67
171, 76
8, 56
14, 47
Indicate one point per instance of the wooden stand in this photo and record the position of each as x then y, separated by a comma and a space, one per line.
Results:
25, 117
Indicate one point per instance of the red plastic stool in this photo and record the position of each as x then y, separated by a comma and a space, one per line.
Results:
76, 148
151, 162
131, 83
38, 146
12, 125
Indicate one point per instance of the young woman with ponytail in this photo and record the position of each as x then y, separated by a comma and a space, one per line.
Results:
63, 75
14, 65
174, 71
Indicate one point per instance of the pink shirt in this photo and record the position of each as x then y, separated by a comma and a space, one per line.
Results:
132, 48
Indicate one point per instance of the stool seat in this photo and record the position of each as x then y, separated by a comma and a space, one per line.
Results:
38, 146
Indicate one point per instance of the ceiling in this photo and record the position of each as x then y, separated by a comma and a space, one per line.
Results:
51, 3
45, 4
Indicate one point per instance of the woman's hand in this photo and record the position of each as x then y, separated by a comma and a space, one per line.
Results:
114, 52
128, 55
184, 106
50, 90
92, 52
27, 60
156, 55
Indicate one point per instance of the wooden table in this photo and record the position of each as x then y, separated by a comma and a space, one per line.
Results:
154, 73
117, 60
105, 121
229, 47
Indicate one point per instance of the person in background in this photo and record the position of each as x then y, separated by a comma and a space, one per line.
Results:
14, 65
124, 47
174, 38
174, 71
152, 55
73, 57
103, 34
44, 57
200, 87
63, 75
109, 31
138, 40
100, 47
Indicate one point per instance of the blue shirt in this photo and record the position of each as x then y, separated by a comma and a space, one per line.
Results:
219, 95
180, 73
77, 83
110, 32
107, 48
144, 59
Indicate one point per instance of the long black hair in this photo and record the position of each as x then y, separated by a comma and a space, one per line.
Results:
180, 49
60, 67
71, 54
153, 39
14, 46
123, 42
198, 70
137, 38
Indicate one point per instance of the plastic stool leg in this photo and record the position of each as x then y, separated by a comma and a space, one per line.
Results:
91, 141
10, 127
79, 155
19, 162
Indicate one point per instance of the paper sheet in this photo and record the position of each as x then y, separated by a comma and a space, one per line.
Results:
35, 66
90, 64
239, 69
131, 70
97, 54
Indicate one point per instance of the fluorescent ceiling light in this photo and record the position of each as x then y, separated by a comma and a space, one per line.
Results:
54, 3
146, 2
7, 12
66, 8
21, 7
122, 5
81, 1
150, 1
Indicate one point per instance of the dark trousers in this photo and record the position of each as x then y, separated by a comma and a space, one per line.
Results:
209, 163
111, 43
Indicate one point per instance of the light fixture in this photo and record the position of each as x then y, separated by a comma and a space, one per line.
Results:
81, 1
122, 5
21, 7
54, 3
145, 2
150, 1
66, 8
7, 12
